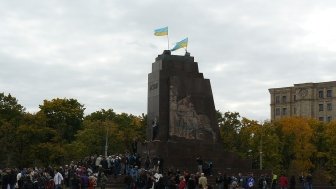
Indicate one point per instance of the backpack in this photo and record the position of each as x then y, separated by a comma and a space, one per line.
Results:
250, 182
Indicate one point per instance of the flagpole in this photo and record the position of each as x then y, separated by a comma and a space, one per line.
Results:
168, 40
186, 49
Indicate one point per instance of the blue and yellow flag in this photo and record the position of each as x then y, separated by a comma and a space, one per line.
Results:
161, 31
181, 44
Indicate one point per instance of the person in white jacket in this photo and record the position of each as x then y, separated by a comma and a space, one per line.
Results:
58, 178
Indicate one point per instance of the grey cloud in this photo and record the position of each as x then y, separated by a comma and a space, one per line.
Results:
100, 52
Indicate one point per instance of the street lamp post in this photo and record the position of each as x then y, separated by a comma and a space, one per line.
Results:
260, 154
261, 147
106, 141
250, 157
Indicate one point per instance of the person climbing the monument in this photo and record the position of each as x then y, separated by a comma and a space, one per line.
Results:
134, 145
199, 161
155, 127
156, 162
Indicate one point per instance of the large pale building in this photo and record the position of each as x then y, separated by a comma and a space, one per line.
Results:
314, 100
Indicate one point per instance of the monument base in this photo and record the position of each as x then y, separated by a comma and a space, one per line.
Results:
181, 114
183, 155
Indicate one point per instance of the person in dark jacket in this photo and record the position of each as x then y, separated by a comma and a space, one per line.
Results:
226, 181
5, 179
219, 181
292, 182
75, 181
309, 181
191, 182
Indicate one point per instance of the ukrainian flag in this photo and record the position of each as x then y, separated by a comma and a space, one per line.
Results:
181, 44
161, 31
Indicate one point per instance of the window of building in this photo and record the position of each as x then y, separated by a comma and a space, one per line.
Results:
277, 99
277, 111
284, 111
329, 106
320, 93
329, 93
294, 97
320, 107
284, 99
321, 118
329, 118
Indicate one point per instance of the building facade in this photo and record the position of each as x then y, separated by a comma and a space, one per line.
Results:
314, 100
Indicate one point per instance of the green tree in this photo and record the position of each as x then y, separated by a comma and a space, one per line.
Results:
64, 115
27, 137
102, 115
10, 109
330, 139
255, 139
49, 153
7, 139
93, 137
121, 130
270, 147
229, 126
249, 141
11, 113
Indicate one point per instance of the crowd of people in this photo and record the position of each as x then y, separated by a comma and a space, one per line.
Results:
136, 173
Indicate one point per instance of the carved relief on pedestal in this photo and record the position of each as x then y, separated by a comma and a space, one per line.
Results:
184, 120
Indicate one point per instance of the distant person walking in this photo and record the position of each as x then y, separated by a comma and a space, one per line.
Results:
274, 181
250, 181
292, 182
309, 181
283, 182
302, 181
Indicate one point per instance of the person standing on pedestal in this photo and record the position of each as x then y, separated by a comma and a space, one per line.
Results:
199, 164
155, 127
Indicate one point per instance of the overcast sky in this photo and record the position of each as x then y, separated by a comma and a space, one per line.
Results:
100, 51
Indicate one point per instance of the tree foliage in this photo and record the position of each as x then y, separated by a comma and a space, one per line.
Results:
229, 125
292, 144
11, 113
59, 132
330, 141
10, 109
64, 115
296, 136
121, 129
